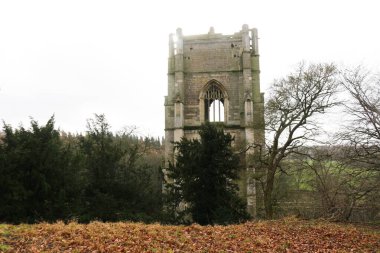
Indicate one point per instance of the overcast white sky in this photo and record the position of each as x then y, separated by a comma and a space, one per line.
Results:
77, 58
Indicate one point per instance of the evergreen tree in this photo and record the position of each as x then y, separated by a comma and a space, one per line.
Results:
119, 183
48, 176
35, 174
204, 178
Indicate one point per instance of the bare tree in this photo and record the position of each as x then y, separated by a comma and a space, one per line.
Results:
289, 114
363, 132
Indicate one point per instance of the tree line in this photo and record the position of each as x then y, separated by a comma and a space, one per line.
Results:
47, 175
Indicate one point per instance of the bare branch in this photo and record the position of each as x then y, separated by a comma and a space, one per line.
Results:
289, 113
363, 133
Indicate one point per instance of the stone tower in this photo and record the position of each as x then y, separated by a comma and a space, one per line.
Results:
215, 77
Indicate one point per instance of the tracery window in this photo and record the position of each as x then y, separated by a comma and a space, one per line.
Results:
214, 104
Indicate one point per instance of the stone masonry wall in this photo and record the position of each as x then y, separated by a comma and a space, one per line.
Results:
232, 63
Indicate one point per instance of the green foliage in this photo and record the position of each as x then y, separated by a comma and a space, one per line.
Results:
118, 185
203, 178
47, 175
33, 173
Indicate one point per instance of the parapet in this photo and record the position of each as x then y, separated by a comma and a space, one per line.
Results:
246, 38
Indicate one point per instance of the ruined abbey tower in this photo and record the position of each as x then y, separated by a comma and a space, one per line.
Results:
216, 78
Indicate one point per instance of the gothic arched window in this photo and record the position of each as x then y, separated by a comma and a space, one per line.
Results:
214, 104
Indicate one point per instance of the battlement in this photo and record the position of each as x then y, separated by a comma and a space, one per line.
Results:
246, 39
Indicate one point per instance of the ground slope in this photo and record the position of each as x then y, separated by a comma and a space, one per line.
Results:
286, 235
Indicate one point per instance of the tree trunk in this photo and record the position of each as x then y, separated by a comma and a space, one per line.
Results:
268, 203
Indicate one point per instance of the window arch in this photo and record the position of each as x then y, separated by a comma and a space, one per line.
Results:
214, 100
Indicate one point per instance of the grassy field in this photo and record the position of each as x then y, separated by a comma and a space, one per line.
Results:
286, 235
